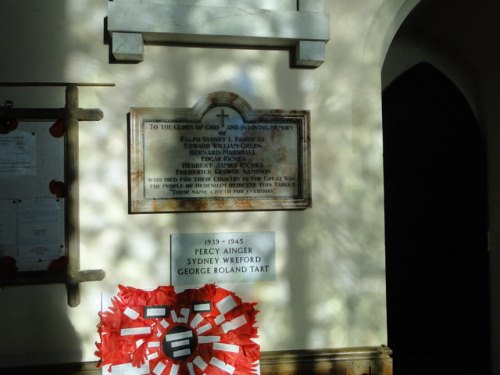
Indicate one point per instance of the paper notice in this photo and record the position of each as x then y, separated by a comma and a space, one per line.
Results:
40, 229
17, 154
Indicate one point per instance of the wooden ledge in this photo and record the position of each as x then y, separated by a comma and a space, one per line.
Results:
367, 360
47, 277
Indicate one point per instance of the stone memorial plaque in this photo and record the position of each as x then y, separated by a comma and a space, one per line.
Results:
220, 155
200, 258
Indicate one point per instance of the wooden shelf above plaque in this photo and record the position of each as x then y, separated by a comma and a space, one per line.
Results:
301, 26
220, 155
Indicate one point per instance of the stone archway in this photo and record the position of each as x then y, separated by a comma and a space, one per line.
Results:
436, 226
461, 41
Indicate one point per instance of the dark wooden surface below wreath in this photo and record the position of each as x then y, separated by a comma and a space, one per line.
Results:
345, 361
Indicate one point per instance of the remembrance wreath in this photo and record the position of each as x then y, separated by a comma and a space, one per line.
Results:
197, 331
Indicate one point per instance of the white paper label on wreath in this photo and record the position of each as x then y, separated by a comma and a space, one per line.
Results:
222, 257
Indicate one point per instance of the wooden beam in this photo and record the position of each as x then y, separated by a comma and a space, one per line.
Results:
54, 84
47, 277
91, 114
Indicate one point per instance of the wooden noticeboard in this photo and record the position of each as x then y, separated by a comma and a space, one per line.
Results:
32, 224
39, 200
220, 155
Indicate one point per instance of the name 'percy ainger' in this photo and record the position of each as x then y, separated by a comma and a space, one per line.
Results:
227, 250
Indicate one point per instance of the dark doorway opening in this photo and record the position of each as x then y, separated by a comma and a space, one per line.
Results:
436, 227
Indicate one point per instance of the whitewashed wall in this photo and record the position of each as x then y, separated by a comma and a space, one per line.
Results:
330, 287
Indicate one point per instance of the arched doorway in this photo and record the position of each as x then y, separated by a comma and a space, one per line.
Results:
436, 227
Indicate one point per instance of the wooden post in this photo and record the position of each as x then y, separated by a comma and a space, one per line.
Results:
72, 203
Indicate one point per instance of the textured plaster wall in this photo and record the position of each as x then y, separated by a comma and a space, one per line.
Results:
330, 285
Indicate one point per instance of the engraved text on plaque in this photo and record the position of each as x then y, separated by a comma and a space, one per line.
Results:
219, 155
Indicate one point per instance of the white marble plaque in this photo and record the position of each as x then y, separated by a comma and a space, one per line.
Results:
199, 258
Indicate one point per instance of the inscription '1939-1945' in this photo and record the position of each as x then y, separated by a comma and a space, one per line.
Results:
225, 257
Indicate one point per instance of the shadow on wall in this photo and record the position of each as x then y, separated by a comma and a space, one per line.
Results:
34, 324
35, 328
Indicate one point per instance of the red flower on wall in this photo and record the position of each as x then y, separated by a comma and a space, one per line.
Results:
198, 331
